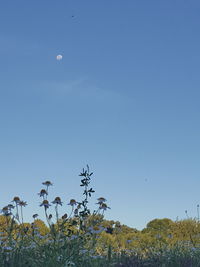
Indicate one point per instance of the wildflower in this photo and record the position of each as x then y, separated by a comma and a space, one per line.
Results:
45, 203
16, 200
22, 203
10, 206
47, 183
42, 193
6, 211
72, 202
57, 201
101, 200
35, 216
103, 206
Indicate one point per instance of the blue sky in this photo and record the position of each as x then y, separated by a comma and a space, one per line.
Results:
124, 99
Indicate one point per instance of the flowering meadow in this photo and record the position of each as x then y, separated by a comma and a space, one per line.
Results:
85, 238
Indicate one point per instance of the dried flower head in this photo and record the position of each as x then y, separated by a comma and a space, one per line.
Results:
16, 200
6, 211
72, 202
57, 201
43, 193
47, 183
45, 203
101, 200
35, 216
103, 206
64, 216
22, 203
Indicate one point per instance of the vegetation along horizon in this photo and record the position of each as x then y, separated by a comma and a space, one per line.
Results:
85, 238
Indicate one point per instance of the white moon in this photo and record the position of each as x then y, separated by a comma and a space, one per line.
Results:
59, 57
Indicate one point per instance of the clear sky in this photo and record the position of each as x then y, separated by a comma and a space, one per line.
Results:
124, 99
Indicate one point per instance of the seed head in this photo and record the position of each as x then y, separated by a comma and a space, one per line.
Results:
57, 200
42, 193
35, 216
47, 183
16, 200
45, 203
72, 202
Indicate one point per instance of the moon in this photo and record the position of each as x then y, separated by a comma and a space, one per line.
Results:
59, 57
